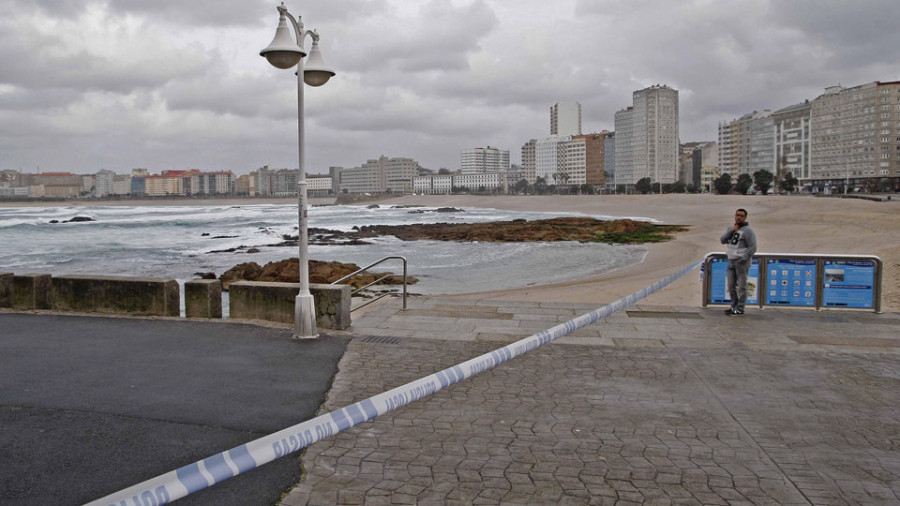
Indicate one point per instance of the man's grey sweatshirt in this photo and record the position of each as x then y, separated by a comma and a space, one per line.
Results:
741, 244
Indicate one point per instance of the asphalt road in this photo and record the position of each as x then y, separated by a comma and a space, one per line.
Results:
91, 405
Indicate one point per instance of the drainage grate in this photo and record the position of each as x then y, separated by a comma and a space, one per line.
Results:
382, 340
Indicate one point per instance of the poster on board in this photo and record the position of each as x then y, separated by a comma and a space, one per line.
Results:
718, 282
849, 283
790, 282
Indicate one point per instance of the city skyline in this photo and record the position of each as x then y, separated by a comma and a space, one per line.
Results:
165, 85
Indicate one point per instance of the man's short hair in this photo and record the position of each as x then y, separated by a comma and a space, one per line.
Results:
744, 211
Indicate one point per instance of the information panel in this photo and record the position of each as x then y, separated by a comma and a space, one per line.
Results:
791, 282
849, 283
718, 281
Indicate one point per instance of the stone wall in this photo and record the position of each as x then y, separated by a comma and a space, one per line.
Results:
250, 300
116, 295
258, 300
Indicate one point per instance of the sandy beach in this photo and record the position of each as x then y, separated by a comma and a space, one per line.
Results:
784, 224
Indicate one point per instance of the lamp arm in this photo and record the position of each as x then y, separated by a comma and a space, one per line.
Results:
299, 32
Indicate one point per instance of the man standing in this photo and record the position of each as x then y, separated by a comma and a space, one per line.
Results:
741, 245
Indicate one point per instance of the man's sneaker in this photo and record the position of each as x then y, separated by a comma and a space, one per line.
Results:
734, 312
729, 310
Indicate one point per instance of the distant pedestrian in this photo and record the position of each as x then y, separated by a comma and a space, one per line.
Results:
741, 245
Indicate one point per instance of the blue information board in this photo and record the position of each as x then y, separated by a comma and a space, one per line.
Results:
718, 282
849, 283
790, 282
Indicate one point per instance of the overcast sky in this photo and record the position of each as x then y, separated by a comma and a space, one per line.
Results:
172, 84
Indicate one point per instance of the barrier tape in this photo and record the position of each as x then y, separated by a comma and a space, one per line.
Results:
212, 470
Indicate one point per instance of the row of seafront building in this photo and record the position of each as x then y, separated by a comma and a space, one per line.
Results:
846, 137
381, 175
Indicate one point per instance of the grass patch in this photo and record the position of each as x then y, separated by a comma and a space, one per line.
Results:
647, 234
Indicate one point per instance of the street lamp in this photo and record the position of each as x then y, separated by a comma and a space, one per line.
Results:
285, 52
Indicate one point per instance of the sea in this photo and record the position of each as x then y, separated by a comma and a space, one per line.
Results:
181, 241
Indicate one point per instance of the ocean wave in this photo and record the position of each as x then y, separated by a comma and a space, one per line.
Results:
170, 242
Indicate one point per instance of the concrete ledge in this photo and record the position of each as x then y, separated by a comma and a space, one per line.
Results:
6, 284
31, 291
203, 298
116, 295
257, 300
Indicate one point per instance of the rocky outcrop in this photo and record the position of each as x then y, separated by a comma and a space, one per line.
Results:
247, 271
74, 219
556, 229
287, 271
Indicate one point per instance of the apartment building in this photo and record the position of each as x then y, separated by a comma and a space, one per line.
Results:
792, 141
195, 182
443, 184
529, 160
489, 181
481, 160
104, 183
547, 158
565, 119
56, 184
609, 146
318, 186
747, 144
433, 185
594, 157
647, 137
384, 175
855, 135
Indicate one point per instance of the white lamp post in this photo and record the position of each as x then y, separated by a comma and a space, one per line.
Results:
285, 52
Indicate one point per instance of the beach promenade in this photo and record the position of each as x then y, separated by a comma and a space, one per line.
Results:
662, 403
653, 405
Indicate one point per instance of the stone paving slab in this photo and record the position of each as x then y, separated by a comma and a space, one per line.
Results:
602, 425
642, 408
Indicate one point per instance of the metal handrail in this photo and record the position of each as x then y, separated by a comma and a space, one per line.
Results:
366, 268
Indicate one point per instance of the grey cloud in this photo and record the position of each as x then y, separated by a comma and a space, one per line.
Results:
859, 32
51, 62
192, 13
439, 40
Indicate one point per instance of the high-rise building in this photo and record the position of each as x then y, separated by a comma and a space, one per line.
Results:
565, 119
379, 176
483, 160
610, 160
546, 159
529, 160
103, 182
570, 160
747, 144
855, 135
647, 137
792, 141
594, 156
696, 156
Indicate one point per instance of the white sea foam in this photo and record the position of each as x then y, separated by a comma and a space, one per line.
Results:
170, 242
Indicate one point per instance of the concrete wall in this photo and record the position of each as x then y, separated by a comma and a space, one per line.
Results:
203, 298
250, 300
256, 300
31, 291
116, 295
6, 284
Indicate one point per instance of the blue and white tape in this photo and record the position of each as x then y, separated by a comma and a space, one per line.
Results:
215, 469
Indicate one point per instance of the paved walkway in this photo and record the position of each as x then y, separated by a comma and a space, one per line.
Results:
655, 405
